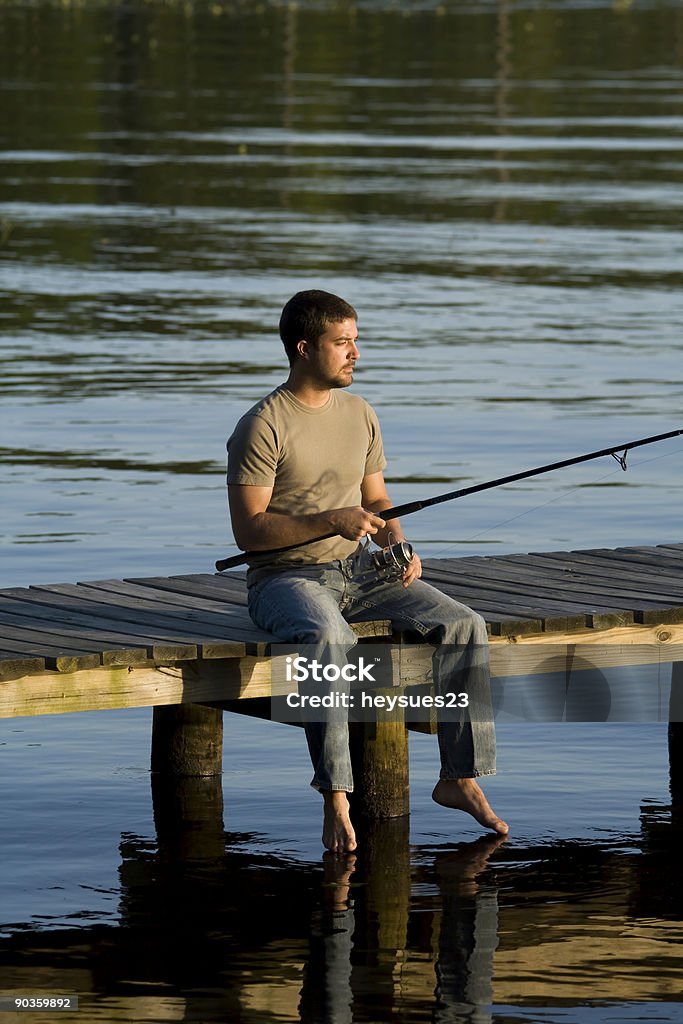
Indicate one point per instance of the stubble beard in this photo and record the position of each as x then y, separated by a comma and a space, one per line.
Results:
343, 379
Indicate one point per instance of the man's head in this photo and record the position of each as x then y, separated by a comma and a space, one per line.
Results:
307, 316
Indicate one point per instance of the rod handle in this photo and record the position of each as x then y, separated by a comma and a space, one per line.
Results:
229, 563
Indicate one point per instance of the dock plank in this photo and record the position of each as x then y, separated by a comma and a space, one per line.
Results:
233, 590
73, 641
55, 657
13, 665
175, 599
158, 598
203, 585
543, 576
147, 623
551, 613
677, 549
521, 577
142, 643
115, 648
601, 565
651, 575
636, 557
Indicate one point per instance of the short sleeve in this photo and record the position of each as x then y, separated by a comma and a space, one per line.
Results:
375, 460
252, 453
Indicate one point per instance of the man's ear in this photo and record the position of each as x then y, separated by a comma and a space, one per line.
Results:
302, 348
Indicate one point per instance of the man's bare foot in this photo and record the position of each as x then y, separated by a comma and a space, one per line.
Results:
466, 795
338, 833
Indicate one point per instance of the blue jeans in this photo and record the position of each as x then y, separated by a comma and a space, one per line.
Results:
314, 604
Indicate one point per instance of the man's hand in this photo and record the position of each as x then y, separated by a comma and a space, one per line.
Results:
355, 522
413, 572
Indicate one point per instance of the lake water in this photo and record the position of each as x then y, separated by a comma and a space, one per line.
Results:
496, 187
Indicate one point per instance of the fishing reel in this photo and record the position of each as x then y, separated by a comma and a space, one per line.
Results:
389, 563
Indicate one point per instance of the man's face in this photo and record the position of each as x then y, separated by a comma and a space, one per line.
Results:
333, 358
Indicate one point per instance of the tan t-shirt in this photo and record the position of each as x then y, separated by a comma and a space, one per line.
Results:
314, 459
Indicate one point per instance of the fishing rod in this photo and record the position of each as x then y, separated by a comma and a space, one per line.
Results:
409, 507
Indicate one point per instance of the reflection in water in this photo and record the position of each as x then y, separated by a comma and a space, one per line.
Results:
211, 931
326, 992
468, 936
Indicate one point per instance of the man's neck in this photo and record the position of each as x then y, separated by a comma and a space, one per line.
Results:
307, 392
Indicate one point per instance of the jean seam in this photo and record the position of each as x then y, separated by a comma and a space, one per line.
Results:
330, 789
381, 610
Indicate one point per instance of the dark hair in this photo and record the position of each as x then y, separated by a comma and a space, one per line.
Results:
307, 315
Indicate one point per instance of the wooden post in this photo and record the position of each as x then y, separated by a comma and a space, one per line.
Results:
188, 816
187, 740
676, 735
379, 758
379, 752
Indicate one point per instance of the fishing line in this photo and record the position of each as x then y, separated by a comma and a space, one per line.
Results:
551, 501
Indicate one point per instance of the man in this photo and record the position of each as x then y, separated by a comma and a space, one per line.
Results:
304, 463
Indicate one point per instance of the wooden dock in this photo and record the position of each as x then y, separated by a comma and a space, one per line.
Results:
98, 632
188, 640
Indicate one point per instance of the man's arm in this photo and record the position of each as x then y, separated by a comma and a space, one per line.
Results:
375, 498
257, 529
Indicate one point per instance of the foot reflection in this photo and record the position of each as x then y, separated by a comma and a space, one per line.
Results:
468, 935
337, 879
